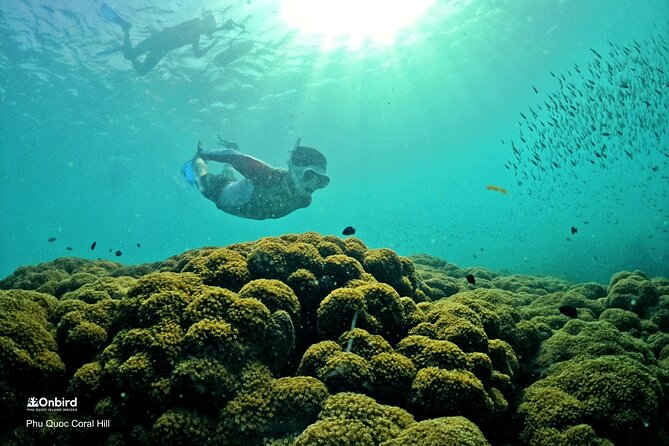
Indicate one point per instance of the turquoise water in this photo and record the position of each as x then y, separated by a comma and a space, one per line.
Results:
412, 131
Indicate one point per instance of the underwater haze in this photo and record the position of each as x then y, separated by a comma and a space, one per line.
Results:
524, 136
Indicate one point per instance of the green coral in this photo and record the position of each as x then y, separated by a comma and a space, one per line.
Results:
179, 427
623, 320
275, 295
441, 286
209, 303
204, 384
503, 357
28, 354
426, 352
204, 348
268, 408
380, 421
214, 339
277, 259
632, 291
437, 392
316, 357
590, 340
86, 384
387, 267
393, 375
336, 311
342, 269
296, 403
619, 397
220, 267
384, 311
443, 431
101, 289
346, 372
493, 318
363, 343
335, 432
659, 314
547, 407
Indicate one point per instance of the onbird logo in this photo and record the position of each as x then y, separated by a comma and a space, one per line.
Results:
51, 404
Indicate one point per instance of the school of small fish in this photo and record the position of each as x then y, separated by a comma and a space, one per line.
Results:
610, 114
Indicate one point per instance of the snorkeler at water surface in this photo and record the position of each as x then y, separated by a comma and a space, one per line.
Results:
156, 46
264, 191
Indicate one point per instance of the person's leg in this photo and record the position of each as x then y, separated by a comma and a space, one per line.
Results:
200, 169
128, 51
148, 64
251, 168
196, 172
211, 186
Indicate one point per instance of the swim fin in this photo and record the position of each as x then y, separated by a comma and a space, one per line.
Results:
189, 172
110, 15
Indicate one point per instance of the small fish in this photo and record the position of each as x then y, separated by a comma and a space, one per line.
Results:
471, 279
51, 239
93, 245
139, 245
348, 230
574, 230
569, 310
535, 89
69, 248
599, 56
118, 253
497, 189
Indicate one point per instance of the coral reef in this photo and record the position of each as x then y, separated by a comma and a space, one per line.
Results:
306, 339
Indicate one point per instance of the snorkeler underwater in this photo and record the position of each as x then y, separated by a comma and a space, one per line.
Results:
318, 222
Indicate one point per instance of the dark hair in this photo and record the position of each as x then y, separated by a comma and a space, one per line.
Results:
308, 156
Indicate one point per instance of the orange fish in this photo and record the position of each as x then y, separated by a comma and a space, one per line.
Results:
497, 188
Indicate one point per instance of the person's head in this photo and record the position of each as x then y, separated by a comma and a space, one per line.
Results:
208, 23
307, 167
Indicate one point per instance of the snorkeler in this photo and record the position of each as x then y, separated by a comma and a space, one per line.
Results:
156, 46
264, 191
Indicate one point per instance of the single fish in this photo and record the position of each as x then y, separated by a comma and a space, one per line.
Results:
569, 311
497, 189
348, 230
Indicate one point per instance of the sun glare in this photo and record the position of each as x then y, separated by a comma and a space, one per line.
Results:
353, 20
